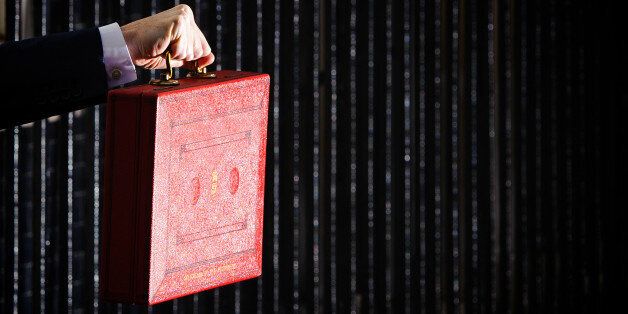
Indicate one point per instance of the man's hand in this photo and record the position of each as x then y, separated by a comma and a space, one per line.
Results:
174, 29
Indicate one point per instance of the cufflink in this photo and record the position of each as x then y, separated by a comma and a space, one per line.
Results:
116, 73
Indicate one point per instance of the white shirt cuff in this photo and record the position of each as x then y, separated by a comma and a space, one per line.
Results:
118, 63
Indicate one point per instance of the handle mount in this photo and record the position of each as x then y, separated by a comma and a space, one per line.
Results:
166, 78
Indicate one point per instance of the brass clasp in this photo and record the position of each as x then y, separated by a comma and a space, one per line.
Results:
201, 72
166, 78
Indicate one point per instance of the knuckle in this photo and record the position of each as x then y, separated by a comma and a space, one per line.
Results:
184, 13
184, 9
180, 20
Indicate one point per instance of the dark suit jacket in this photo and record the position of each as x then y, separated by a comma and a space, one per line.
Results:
50, 75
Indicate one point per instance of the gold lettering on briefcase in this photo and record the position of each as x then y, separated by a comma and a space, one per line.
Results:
214, 186
209, 272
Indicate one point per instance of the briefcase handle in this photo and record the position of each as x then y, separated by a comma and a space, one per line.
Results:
166, 78
201, 72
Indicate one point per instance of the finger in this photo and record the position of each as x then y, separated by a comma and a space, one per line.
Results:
198, 48
200, 62
154, 63
201, 47
206, 60
192, 44
190, 65
179, 48
175, 63
190, 51
206, 48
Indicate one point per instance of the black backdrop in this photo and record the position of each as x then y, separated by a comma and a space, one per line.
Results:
423, 156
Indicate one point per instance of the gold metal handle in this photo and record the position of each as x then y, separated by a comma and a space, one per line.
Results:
166, 78
200, 72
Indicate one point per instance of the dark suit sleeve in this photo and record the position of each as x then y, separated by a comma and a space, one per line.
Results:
50, 75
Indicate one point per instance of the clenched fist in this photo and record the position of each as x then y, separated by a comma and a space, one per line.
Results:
174, 29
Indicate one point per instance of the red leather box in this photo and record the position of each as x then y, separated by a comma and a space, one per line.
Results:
183, 187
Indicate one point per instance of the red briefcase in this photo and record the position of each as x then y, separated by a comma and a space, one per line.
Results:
184, 186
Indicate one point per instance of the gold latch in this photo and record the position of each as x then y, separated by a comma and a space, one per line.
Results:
201, 72
166, 78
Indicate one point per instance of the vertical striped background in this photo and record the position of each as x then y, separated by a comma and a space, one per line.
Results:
425, 156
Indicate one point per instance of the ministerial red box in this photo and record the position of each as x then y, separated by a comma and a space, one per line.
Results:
183, 187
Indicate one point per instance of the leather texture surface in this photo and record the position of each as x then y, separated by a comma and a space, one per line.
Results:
184, 187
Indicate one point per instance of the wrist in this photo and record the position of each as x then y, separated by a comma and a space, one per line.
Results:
117, 59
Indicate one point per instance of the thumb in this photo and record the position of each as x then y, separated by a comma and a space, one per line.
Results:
175, 63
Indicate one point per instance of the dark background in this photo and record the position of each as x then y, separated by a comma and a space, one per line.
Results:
423, 156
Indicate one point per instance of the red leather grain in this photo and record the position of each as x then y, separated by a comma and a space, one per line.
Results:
184, 187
